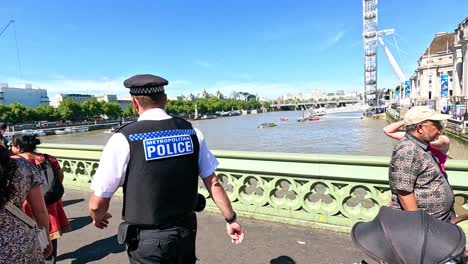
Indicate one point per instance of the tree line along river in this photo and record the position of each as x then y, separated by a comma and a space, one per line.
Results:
340, 134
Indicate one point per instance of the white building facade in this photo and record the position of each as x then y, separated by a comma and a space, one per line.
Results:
436, 62
445, 61
78, 98
122, 101
28, 96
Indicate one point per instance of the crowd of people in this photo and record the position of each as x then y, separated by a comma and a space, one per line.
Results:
158, 161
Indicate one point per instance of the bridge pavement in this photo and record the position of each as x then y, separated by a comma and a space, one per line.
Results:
264, 242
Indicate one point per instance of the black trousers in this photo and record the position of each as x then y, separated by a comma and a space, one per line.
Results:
175, 245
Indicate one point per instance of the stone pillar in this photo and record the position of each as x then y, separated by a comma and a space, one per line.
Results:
465, 70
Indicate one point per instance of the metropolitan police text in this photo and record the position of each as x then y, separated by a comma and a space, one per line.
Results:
169, 146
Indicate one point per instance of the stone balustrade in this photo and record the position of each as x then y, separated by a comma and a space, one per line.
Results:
317, 190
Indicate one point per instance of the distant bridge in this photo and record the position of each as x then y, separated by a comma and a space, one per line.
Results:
316, 104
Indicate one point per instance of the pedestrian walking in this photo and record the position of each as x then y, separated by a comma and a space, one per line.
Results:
19, 182
24, 145
158, 161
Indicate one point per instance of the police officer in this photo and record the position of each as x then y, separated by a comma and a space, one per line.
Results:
157, 160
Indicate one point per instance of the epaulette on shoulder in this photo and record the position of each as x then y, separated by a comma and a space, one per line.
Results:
123, 126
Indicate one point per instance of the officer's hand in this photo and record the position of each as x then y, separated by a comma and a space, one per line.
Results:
103, 222
235, 231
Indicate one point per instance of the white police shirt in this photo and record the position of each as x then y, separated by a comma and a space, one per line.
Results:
110, 174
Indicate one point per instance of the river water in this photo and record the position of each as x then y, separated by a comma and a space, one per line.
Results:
340, 133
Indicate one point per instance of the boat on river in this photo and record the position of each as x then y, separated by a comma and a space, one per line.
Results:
81, 129
203, 117
266, 125
60, 132
318, 112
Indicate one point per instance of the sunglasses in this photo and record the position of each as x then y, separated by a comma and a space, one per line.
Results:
437, 125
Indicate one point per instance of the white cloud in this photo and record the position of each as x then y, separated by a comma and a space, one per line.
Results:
106, 85
55, 86
333, 40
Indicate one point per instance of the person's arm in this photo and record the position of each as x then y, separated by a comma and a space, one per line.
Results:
219, 196
407, 201
393, 130
109, 176
442, 143
39, 212
98, 207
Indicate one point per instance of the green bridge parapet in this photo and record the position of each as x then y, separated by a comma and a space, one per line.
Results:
317, 190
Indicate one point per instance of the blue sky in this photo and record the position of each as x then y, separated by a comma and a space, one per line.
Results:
264, 47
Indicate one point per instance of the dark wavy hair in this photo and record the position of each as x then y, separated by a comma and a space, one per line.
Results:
26, 142
7, 173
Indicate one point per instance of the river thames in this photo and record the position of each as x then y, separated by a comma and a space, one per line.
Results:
340, 133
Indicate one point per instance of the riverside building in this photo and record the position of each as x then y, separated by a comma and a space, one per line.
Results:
122, 101
28, 96
441, 78
435, 62
78, 98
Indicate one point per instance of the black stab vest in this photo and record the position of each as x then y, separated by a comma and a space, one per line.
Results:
160, 191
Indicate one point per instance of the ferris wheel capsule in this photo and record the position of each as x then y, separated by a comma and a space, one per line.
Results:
371, 34
370, 15
370, 52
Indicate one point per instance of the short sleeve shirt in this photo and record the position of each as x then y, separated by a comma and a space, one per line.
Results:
414, 169
110, 174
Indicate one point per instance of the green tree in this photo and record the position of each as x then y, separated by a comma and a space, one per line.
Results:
70, 110
45, 112
19, 113
5, 113
92, 108
129, 111
202, 106
112, 110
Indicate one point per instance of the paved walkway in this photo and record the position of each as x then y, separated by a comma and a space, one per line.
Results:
264, 242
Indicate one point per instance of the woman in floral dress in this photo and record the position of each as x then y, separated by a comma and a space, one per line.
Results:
25, 145
18, 181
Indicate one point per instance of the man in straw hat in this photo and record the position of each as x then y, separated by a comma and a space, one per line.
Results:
415, 176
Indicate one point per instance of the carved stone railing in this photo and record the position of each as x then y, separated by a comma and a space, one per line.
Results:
329, 191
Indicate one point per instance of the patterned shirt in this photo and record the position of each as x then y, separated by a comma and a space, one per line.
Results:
18, 242
414, 169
